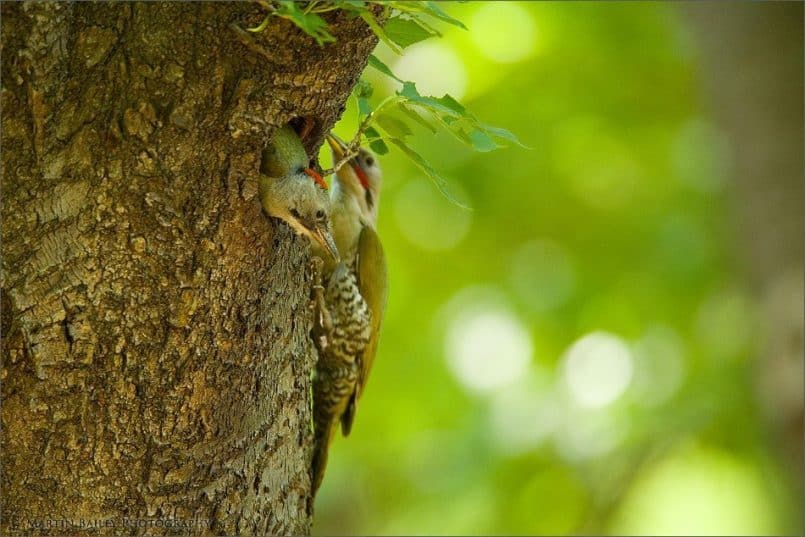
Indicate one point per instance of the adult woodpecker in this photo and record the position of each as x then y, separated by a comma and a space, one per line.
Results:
354, 300
293, 192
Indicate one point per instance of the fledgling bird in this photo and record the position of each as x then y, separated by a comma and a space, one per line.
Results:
354, 300
293, 192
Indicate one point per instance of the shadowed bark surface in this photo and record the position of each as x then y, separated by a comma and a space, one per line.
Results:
156, 356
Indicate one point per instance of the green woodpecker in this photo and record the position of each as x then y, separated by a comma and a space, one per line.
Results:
293, 192
354, 300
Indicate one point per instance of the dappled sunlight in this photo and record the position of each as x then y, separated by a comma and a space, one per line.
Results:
698, 491
659, 366
597, 369
525, 414
487, 348
549, 358
436, 68
504, 32
586, 434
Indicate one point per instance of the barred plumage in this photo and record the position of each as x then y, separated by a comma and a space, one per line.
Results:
351, 306
338, 366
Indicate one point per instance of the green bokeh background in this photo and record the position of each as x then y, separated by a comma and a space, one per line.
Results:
575, 354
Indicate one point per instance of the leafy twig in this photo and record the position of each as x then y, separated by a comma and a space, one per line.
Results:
354, 145
406, 23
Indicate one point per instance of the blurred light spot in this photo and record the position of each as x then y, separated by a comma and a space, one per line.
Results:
504, 32
469, 299
435, 67
697, 492
429, 220
598, 368
523, 415
658, 365
725, 324
700, 156
598, 167
586, 434
487, 348
542, 275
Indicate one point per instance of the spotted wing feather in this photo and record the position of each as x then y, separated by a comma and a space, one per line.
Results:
373, 286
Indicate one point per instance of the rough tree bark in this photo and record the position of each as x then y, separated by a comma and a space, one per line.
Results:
156, 357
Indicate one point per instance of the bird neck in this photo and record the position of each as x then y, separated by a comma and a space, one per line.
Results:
352, 198
345, 216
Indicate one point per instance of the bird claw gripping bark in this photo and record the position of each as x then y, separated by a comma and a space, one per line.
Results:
324, 320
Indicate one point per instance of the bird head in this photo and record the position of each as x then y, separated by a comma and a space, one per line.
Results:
361, 176
293, 192
300, 200
284, 155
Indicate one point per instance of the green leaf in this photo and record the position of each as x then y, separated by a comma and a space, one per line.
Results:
452, 104
457, 119
457, 128
393, 126
370, 19
364, 108
379, 147
350, 4
405, 31
481, 141
362, 91
429, 8
416, 117
363, 88
422, 22
423, 165
382, 67
407, 6
432, 9
310, 23
444, 104
375, 141
504, 134
353, 8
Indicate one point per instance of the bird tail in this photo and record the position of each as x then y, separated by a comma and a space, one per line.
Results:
320, 450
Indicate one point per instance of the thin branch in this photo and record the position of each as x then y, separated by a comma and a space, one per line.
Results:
349, 155
355, 144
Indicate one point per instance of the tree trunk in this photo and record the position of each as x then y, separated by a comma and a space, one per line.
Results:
753, 65
156, 355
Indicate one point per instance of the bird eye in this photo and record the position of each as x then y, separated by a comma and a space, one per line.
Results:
369, 161
320, 214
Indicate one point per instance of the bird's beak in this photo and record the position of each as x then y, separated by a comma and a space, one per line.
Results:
338, 147
325, 238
